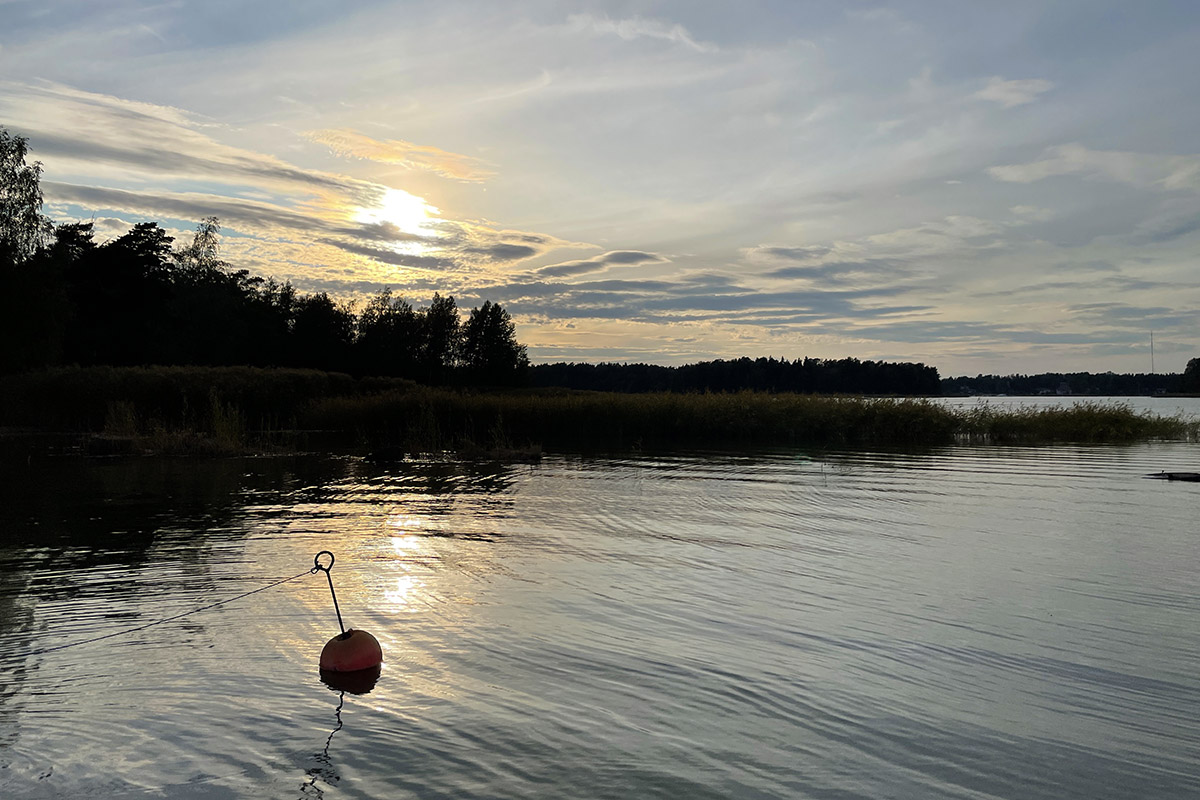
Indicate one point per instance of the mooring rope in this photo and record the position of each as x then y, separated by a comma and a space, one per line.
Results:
177, 616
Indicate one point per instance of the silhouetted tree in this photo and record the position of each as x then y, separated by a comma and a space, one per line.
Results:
23, 229
271, 315
203, 254
439, 339
1191, 376
322, 333
389, 336
30, 293
35, 310
120, 293
490, 350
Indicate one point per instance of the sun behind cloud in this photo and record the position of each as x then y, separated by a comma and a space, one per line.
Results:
406, 211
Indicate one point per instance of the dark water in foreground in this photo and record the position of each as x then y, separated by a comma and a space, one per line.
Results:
967, 623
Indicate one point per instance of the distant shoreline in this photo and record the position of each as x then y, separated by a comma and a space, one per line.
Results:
239, 410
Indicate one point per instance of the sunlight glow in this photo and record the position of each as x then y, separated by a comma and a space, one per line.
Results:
409, 213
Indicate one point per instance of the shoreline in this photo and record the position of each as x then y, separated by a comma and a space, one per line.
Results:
207, 411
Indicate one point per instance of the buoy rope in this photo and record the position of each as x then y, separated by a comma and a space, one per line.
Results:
172, 618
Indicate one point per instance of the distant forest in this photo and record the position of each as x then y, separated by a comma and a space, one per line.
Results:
806, 376
1081, 383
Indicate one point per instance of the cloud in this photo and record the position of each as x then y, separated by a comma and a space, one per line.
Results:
888, 18
1111, 284
637, 28
810, 253
76, 131
842, 273
957, 233
392, 257
1166, 229
382, 232
1131, 317
1013, 93
1032, 213
1137, 169
696, 297
460, 247
351, 144
234, 211
597, 263
504, 251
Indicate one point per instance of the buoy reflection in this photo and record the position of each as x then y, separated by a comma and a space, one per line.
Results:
358, 682
324, 770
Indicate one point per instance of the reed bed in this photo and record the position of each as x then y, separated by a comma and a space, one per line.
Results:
228, 410
432, 419
1081, 422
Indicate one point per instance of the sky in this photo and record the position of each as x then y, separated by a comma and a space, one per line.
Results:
983, 187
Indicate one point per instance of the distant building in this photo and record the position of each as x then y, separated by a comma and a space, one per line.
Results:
1064, 389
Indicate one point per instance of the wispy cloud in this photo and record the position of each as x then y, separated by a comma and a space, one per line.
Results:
1169, 172
846, 273
1010, 93
353, 144
597, 263
1032, 213
639, 27
796, 253
79, 132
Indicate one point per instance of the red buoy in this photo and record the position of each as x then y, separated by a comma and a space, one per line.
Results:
351, 651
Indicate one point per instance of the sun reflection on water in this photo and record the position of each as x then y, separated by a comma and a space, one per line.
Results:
402, 594
407, 543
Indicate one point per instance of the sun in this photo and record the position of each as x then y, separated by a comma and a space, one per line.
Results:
407, 212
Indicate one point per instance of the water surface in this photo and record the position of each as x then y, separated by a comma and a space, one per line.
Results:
953, 623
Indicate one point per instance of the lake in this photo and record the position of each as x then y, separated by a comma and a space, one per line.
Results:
961, 622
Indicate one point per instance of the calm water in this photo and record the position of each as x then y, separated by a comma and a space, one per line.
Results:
961, 622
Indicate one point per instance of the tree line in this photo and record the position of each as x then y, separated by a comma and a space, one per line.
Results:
139, 299
1110, 384
804, 376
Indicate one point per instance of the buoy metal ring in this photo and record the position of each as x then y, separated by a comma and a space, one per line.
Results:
318, 566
